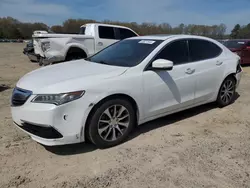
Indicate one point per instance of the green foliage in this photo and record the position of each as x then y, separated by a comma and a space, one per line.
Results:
12, 29
241, 32
215, 31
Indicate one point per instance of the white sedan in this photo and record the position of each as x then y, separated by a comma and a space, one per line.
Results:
129, 83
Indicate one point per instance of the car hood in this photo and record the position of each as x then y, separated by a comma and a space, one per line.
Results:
68, 76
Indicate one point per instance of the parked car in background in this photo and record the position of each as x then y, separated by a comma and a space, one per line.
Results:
222, 41
53, 48
241, 47
128, 83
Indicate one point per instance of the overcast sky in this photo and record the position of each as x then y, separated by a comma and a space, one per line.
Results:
174, 12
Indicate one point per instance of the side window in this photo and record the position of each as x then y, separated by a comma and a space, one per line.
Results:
106, 32
202, 49
176, 51
125, 33
248, 44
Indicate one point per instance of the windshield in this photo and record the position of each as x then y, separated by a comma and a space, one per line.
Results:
234, 44
126, 53
82, 30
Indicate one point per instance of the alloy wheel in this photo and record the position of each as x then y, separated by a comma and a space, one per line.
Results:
113, 122
227, 91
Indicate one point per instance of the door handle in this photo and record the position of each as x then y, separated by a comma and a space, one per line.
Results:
219, 63
100, 43
190, 71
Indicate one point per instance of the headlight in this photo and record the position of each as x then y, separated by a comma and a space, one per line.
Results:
58, 99
45, 46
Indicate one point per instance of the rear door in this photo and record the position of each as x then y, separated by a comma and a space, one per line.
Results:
209, 65
106, 37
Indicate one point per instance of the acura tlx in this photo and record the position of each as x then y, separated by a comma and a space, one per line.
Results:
101, 98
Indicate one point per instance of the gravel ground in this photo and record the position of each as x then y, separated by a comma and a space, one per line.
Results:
202, 147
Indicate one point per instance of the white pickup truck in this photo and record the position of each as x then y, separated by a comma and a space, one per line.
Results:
52, 48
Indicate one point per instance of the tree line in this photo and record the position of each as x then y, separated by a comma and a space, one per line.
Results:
11, 28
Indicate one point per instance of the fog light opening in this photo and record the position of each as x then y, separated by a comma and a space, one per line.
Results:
65, 117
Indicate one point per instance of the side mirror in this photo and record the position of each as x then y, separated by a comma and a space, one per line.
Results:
162, 64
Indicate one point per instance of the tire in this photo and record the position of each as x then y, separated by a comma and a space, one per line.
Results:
226, 93
101, 127
75, 56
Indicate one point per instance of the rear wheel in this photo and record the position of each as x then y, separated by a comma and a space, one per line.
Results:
227, 92
74, 54
111, 123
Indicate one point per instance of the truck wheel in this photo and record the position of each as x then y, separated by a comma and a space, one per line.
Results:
74, 54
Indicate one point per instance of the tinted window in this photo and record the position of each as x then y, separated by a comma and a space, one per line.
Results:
176, 51
125, 33
248, 44
106, 32
126, 53
82, 30
202, 49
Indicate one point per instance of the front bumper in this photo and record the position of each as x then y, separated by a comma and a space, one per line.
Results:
51, 125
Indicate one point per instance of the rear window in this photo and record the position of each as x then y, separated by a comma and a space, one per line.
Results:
125, 33
202, 50
82, 30
106, 32
234, 44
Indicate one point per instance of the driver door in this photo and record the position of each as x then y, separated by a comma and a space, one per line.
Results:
170, 90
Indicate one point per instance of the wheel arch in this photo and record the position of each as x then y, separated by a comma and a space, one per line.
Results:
76, 47
107, 98
231, 74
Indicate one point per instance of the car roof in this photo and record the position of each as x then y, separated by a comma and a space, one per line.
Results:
166, 37
109, 25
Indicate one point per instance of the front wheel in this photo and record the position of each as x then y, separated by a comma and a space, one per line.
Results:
111, 123
227, 92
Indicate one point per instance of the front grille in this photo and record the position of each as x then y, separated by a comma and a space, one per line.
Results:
20, 96
43, 132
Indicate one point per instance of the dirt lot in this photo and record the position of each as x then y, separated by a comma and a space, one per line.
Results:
202, 147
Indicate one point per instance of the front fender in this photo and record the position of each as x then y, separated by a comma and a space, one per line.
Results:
102, 96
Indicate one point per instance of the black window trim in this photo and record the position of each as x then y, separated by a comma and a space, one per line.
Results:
189, 57
153, 58
221, 50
